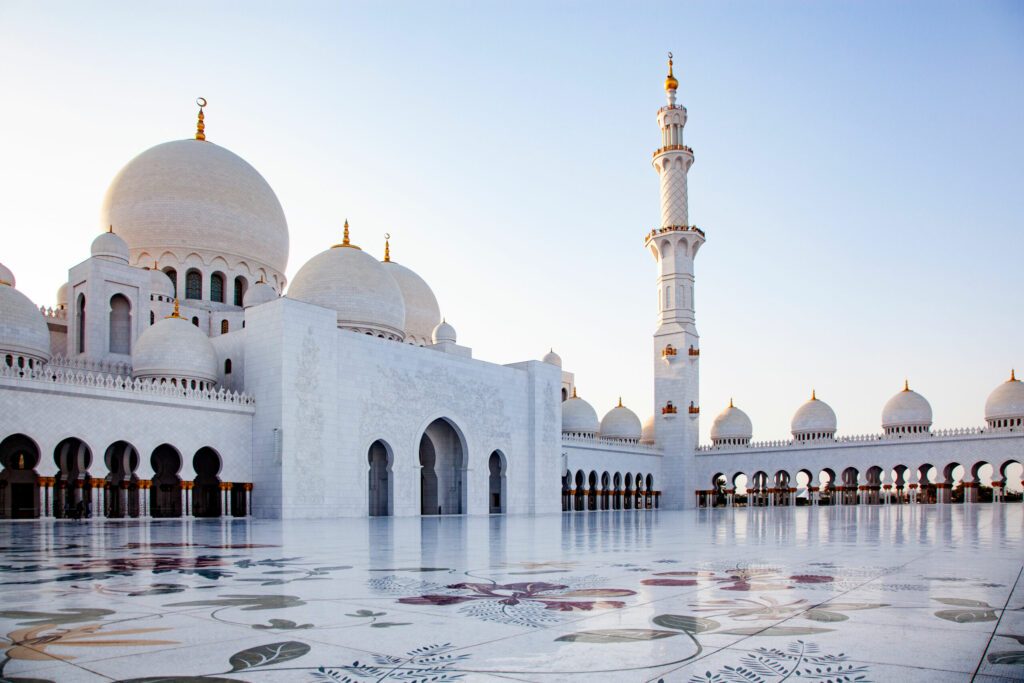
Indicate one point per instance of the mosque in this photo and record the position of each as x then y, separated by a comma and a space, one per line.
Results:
180, 374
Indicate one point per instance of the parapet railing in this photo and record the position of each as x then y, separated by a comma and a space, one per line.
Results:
54, 313
853, 438
624, 444
68, 376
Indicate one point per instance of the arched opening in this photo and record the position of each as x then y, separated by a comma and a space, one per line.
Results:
195, 320
121, 493
803, 487
379, 479
80, 322
578, 498
72, 491
225, 326
980, 489
851, 484
781, 488
1010, 475
739, 487
873, 493
617, 492
827, 482
120, 324
240, 286
193, 284
649, 488
217, 287
165, 492
19, 483
443, 470
566, 496
206, 491
592, 491
926, 488
627, 497
951, 489
173, 275
606, 494
718, 487
565, 394
496, 485
638, 500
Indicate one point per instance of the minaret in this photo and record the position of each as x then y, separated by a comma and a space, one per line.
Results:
674, 245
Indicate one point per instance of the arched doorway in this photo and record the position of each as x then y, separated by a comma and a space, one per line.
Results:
617, 492
165, 494
578, 497
627, 499
122, 498
19, 485
206, 493
120, 332
72, 491
379, 479
443, 470
496, 488
592, 491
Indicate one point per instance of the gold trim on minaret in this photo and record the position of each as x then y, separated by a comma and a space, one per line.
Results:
670, 82
200, 123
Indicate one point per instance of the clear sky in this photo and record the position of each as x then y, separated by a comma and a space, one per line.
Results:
858, 172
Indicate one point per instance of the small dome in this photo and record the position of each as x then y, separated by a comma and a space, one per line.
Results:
6, 276
732, 425
348, 280
174, 348
110, 246
444, 332
62, 296
621, 423
1006, 401
160, 283
907, 409
552, 358
23, 331
814, 417
259, 293
422, 313
578, 416
647, 432
192, 195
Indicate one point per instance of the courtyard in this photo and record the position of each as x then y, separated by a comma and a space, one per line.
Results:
863, 593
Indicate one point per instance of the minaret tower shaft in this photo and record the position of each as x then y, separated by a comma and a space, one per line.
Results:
674, 245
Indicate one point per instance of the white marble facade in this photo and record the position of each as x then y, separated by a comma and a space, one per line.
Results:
177, 375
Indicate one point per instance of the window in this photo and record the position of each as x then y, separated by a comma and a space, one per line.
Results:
239, 290
195, 321
224, 326
81, 323
152, 317
120, 324
173, 275
227, 367
217, 288
193, 285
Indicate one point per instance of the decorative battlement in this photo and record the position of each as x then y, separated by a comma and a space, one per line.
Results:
672, 148
117, 369
673, 228
670, 107
55, 314
93, 379
958, 432
608, 444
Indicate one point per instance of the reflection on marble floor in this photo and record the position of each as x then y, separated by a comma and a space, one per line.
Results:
925, 593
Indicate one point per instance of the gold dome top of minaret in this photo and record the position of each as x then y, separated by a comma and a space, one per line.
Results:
670, 81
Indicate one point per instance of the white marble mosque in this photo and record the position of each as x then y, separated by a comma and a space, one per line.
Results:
180, 374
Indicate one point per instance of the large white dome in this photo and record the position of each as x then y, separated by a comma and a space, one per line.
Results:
907, 409
23, 330
192, 195
356, 285
422, 313
174, 348
578, 416
732, 426
1006, 402
621, 423
814, 418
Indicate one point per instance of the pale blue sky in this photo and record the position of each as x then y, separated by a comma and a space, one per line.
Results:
857, 172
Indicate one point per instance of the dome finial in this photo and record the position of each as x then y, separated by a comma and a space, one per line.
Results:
620, 401
1013, 375
200, 124
730, 402
176, 313
387, 247
670, 82
344, 239
906, 385
814, 395
574, 392
110, 228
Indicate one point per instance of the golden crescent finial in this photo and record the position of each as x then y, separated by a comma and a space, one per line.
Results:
387, 247
670, 82
200, 123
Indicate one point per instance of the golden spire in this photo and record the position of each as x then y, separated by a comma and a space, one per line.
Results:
177, 312
671, 83
110, 228
814, 395
730, 402
344, 239
574, 392
387, 247
200, 125
906, 385
1013, 376
620, 401
156, 265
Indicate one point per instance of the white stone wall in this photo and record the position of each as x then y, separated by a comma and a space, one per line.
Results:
602, 456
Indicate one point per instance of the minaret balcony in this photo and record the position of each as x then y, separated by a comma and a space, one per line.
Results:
673, 148
669, 107
694, 410
670, 354
669, 411
694, 352
664, 230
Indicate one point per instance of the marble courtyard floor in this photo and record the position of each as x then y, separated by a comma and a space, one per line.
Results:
922, 593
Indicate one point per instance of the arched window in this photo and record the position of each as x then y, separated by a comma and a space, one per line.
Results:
120, 324
193, 285
224, 326
173, 275
227, 367
195, 321
239, 290
81, 323
152, 317
217, 288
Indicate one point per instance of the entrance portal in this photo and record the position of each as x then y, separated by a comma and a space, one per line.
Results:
443, 470
379, 480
